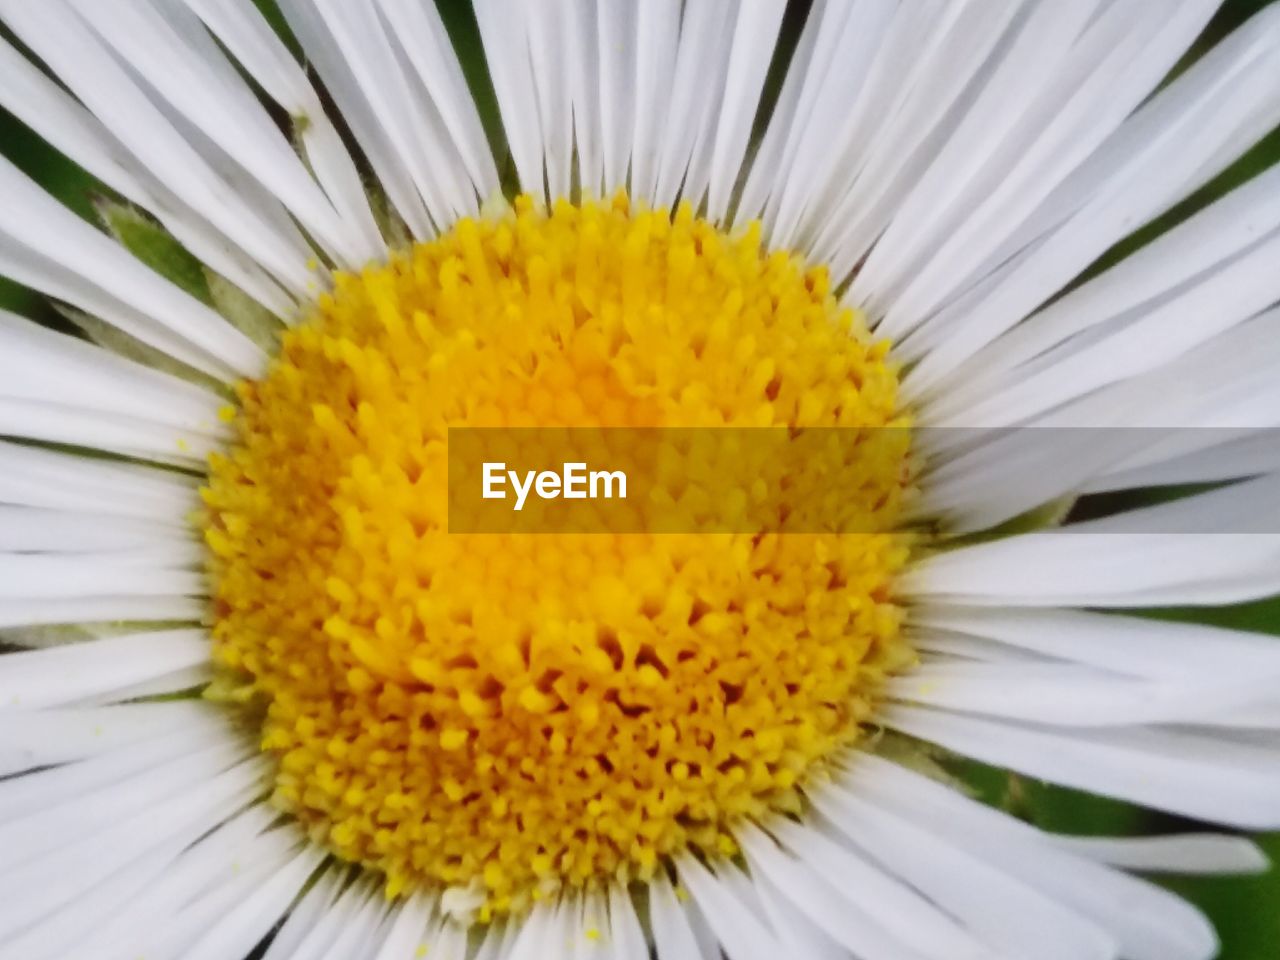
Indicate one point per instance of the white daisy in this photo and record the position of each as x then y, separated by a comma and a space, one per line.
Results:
256, 699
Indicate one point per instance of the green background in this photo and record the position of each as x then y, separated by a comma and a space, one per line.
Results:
1246, 911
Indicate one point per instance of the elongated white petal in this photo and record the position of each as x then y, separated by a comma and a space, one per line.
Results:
250, 39
1202, 853
42, 678
240, 846
755, 34
420, 33
740, 932
236, 931
1003, 911
44, 885
194, 77
1153, 160
37, 364
1072, 696
45, 107
40, 224
922, 84
340, 81
62, 932
50, 575
798, 934
657, 34
46, 737
1117, 61
35, 477
1209, 778
406, 932
28, 612
673, 935
26, 529
70, 820
1205, 241
1129, 560
1250, 453
402, 107
697, 85
507, 51
1148, 923
1130, 646
903, 925
67, 44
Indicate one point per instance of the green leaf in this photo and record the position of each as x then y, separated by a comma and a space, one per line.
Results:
243, 312
154, 246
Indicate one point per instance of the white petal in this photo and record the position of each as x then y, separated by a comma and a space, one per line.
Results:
507, 51
242, 846
62, 932
1132, 646
297, 938
422, 35
657, 34
797, 933
1205, 241
250, 39
702, 58
86, 376
47, 737
47, 884
1060, 694
35, 477
1172, 553
27, 612
239, 931
740, 932
71, 819
996, 907
1204, 777
95, 273
406, 935
755, 35
924, 83
69, 47
59, 675
1075, 103
540, 932
625, 934
403, 107
1201, 853
796, 101
38, 530
34, 576
902, 924
673, 936
616, 33
326, 56
1149, 923
184, 67
1151, 162
67, 125
1249, 455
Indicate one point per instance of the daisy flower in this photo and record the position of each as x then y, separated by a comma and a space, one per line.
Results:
257, 701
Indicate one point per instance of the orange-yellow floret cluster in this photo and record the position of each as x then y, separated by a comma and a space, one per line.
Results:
504, 714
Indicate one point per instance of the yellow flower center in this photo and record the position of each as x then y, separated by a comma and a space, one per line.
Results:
505, 715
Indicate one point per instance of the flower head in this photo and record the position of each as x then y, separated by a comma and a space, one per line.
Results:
273, 688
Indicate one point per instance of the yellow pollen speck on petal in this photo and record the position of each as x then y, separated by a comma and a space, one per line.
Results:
502, 716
